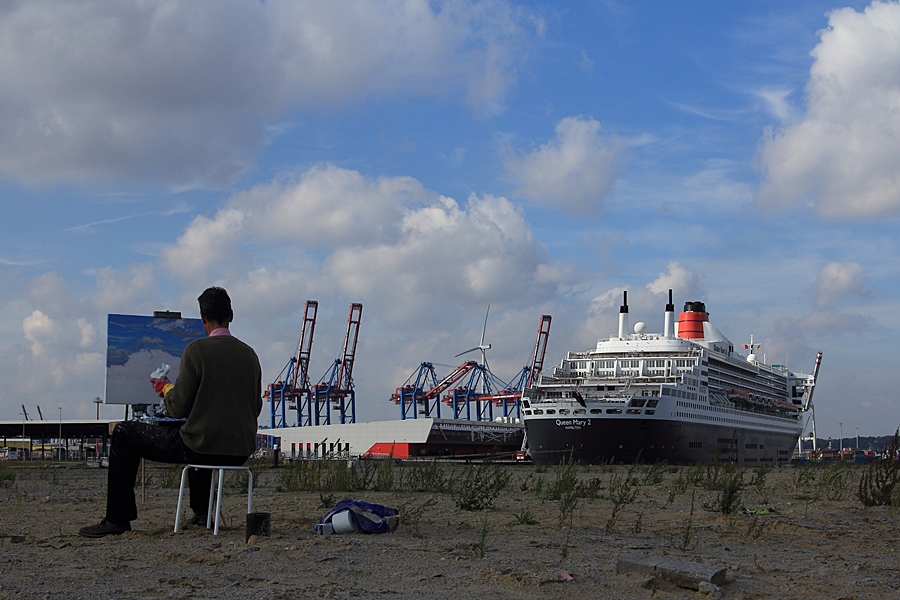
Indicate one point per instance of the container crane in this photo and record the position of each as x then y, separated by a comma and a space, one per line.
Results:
301, 365
412, 393
335, 389
510, 397
410, 396
478, 387
292, 388
531, 376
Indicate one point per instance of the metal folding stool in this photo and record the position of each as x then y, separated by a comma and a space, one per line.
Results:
218, 496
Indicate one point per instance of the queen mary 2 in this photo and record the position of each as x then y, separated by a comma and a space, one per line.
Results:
681, 396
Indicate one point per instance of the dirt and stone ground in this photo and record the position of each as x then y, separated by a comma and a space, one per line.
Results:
797, 535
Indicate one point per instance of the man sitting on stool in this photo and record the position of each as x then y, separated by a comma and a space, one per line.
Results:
218, 391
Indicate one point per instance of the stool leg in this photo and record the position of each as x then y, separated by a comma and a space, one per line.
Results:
249, 491
219, 500
180, 499
212, 486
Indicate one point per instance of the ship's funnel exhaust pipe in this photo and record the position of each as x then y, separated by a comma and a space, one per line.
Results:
670, 317
623, 317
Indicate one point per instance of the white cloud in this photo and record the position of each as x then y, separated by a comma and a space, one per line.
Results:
844, 156
87, 333
57, 354
573, 173
130, 289
264, 291
448, 254
715, 189
680, 280
322, 208
795, 340
386, 238
58, 347
586, 63
205, 241
51, 292
422, 264
645, 304
38, 329
329, 206
840, 280
776, 99
182, 93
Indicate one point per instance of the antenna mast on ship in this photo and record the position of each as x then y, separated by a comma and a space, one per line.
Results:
752, 346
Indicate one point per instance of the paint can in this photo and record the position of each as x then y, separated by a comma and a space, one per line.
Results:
258, 524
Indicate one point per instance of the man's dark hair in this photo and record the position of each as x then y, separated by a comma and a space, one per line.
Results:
215, 305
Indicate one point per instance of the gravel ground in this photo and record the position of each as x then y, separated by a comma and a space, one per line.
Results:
794, 537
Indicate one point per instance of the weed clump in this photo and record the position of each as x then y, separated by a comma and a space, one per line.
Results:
566, 489
623, 489
7, 475
728, 480
477, 486
804, 477
880, 479
239, 479
833, 483
523, 517
565, 482
326, 476
412, 512
424, 477
686, 542
481, 546
164, 475
654, 474
730, 495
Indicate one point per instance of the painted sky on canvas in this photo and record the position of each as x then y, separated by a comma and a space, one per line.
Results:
430, 158
138, 346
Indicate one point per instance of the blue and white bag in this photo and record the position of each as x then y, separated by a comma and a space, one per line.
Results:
357, 515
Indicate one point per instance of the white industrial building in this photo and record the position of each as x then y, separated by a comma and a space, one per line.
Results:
407, 438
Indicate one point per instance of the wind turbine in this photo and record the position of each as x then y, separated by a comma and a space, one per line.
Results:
482, 346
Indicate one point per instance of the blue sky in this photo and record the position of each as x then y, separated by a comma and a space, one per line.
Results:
429, 158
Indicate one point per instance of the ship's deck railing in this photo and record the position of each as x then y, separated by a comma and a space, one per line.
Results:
595, 355
588, 382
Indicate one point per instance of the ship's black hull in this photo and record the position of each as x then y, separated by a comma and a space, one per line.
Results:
602, 440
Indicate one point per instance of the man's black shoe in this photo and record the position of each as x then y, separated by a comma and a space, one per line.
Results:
197, 520
103, 529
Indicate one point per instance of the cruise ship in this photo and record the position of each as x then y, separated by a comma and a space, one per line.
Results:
681, 396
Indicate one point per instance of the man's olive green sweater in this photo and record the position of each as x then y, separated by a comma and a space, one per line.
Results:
218, 390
